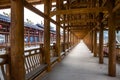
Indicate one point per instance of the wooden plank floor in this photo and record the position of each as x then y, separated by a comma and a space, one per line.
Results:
80, 64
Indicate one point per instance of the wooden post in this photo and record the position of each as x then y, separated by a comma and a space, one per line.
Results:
17, 68
95, 43
101, 45
28, 37
72, 40
112, 40
58, 32
47, 4
64, 38
101, 39
68, 39
112, 49
6, 38
92, 40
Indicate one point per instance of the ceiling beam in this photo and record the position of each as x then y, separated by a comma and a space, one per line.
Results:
4, 4
78, 21
4, 1
35, 10
81, 10
76, 26
116, 7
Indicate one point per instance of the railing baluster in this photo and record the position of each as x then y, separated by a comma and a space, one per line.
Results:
3, 71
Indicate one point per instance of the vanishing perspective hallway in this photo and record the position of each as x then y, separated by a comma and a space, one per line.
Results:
80, 64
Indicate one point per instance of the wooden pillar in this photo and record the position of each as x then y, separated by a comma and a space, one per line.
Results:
47, 4
92, 40
101, 39
68, 39
58, 31
112, 44
64, 38
112, 40
101, 45
90, 43
6, 38
73, 39
38, 36
28, 37
17, 68
95, 43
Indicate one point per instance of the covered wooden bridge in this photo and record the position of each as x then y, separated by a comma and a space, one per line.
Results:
80, 20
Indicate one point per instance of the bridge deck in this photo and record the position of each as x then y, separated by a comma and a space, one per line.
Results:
81, 65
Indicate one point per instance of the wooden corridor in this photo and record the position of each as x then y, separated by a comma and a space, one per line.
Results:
80, 64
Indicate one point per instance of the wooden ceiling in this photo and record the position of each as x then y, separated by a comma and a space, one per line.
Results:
81, 15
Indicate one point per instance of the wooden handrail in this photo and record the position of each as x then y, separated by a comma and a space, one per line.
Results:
4, 58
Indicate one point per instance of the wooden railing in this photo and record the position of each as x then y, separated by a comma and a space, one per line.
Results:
33, 43
34, 61
53, 54
4, 65
53, 51
106, 51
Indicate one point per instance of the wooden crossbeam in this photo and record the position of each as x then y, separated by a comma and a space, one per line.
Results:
116, 7
81, 27
35, 10
4, 4
81, 10
4, 1
4, 23
76, 26
78, 21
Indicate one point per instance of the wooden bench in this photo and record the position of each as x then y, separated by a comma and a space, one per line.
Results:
62, 54
53, 59
33, 63
33, 74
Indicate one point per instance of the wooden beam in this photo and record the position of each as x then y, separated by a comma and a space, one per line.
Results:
64, 36
101, 45
112, 40
116, 7
77, 30
81, 10
101, 58
77, 26
4, 23
80, 28
35, 2
47, 34
17, 67
58, 32
1, 32
4, 1
4, 4
78, 21
112, 49
35, 10
95, 43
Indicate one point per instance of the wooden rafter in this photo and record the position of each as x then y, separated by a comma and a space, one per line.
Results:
81, 10
116, 7
78, 21
6, 3
35, 10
